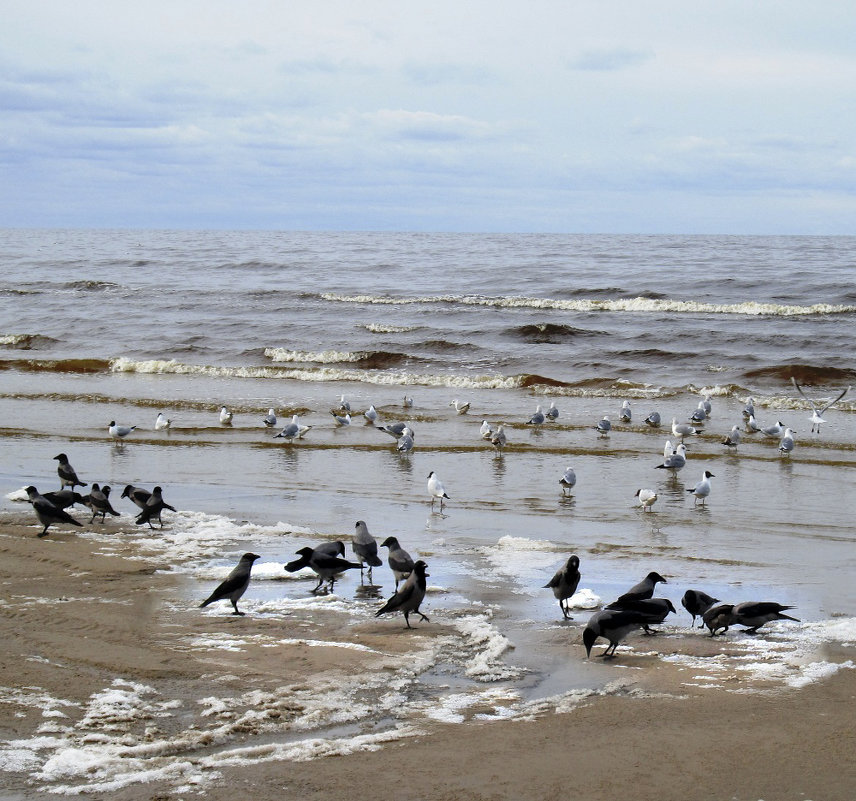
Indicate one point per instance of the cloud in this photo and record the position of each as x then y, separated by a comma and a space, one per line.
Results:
610, 59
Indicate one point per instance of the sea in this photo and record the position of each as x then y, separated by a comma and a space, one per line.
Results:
121, 325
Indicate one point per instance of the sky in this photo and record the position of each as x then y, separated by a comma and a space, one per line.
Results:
732, 117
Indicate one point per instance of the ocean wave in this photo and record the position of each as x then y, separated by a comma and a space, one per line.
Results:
26, 341
803, 373
551, 333
639, 304
378, 328
92, 286
55, 365
366, 358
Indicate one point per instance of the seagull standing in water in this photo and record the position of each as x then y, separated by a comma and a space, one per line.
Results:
552, 413
290, 430
653, 420
538, 417
568, 481
119, 432
752, 426
604, 426
817, 414
370, 414
647, 498
436, 490
225, 416
341, 422
405, 442
161, 422
460, 408
269, 419
702, 489
674, 461
733, 439
625, 415
498, 439
486, 431
682, 429
787, 443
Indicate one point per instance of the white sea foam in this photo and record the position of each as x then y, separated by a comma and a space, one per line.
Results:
751, 308
13, 339
320, 374
379, 328
18, 495
487, 646
318, 357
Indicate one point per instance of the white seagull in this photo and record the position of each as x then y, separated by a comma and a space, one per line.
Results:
538, 417
161, 422
269, 419
498, 439
341, 421
702, 489
625, 414
552, 413
568, 481
370, 414
604, 426
732, 440
436, 490
460, 408
291, 430
225, 416
647, 498
787, 443
817, 414
682, 429
119, 432
486, 431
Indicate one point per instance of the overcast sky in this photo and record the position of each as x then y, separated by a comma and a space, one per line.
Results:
642, 116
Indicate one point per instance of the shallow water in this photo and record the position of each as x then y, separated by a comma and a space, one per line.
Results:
121, 325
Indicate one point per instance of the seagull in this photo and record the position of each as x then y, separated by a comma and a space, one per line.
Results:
774, 430
749, 408
486, 431
668, 449
499, 440
755, 614
370, 414
702, 489
699, 415
47, 513
817, 414
647, 498
604, 426
343, 404
752, 426
235, 584
225, 416
161, 422
613, 626
460, 408
653, 420
674, 461
410, 596
98, 501
564, 584
552, 413
153, 508
538, 417
682, 429
269, 419
697, 603
625, 414
568, 481
400, 562
406, 441
436, 489
644, 589
290, 430
407, 402
707, 405
732, 440
393, 429
67, 476
119, 432
364, 547
341, 421
787, 443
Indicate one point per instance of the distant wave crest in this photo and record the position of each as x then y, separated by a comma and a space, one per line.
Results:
25, 341
365, 358
642, 304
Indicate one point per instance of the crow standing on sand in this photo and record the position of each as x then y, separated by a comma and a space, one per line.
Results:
98, 501
153, 508
235, 584
47, 513
564, 584
410, 596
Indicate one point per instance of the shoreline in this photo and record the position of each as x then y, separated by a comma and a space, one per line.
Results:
79, 625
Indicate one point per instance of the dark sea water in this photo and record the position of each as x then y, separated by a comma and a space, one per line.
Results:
120, 325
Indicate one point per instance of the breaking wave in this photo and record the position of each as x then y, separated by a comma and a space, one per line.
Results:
640, 304
371, 359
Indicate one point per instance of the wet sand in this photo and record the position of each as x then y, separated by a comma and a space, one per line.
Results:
74, 620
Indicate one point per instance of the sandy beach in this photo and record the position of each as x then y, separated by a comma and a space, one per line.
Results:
76, 623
